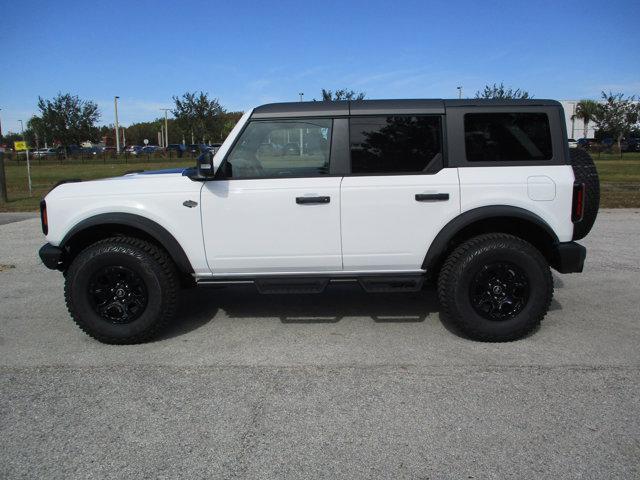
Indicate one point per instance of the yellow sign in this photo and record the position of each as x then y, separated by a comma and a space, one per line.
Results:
20, 146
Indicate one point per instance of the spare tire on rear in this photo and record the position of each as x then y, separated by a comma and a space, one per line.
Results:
584, 169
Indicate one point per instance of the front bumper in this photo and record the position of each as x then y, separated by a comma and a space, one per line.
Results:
51, 256
568, 257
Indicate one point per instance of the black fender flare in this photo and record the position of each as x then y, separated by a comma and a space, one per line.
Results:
138, 222
440, 243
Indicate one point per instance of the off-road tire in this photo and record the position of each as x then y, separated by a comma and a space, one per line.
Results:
460, 270
585, 171
150, 262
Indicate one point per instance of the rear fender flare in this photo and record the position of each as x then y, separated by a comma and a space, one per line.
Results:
440, 244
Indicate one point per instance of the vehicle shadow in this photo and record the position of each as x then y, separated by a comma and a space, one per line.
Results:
200, 306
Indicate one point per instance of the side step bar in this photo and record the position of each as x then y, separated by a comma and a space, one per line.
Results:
301, 284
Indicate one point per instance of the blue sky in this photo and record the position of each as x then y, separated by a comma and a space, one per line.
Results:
248, 52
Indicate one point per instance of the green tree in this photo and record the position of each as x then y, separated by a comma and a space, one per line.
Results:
342, 94
198, 116
69, 120
36, 133
618, 115
501, 92
586, 110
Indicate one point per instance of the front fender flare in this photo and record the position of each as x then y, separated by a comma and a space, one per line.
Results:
138, 222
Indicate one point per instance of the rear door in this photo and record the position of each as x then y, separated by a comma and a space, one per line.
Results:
277, 210
398, 195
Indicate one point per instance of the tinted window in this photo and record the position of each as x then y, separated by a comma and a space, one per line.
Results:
395, 144
507, 137
289, 148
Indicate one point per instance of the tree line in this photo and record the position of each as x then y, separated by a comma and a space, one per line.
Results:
68, 120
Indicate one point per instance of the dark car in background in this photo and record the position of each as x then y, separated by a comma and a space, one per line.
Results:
178, 148
630, 145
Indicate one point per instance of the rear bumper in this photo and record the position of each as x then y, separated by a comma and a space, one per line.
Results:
568, 257
51, 256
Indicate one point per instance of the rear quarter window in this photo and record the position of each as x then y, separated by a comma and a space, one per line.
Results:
507, 137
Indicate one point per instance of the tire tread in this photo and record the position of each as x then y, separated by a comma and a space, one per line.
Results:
169, 278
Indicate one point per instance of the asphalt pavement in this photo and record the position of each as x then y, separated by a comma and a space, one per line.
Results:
338, 385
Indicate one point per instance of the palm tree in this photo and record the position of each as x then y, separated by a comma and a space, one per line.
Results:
586, 110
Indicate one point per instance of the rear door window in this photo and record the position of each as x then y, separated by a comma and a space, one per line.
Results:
507, 137
395, 144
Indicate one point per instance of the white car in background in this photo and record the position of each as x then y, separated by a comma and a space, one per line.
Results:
45, 152
573, 143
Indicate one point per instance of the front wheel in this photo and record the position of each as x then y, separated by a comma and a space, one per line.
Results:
495, 287
121, 290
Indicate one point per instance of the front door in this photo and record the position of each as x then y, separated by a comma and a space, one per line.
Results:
278, 209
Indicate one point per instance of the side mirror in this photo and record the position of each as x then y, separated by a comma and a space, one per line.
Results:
205, 165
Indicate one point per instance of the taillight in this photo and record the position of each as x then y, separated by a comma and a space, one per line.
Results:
43, 217
577, 208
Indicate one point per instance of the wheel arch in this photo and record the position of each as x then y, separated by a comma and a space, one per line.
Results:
496, 218
104, 225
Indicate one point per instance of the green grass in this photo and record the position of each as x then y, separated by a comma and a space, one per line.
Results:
620, 179
43, 177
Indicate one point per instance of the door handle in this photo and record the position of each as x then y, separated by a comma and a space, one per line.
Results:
305, 200
432, 197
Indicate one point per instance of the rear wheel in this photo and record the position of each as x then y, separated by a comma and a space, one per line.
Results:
495, 287
121, 290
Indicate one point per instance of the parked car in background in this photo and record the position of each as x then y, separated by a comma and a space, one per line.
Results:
46, 152
586, 143
149, 149
291, 149
134, 149
194, 148
177, 148
91, 150
573, 143
630, 145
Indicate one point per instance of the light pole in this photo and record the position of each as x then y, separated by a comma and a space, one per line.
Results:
459, 91
0, 127
28, 164
301, 95
115, 104
166, 127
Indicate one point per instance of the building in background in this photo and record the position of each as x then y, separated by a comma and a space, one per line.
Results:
575, 126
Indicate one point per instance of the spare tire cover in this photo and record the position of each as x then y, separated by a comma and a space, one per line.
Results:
584, 169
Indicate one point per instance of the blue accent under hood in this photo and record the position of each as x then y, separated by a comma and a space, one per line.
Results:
164, 171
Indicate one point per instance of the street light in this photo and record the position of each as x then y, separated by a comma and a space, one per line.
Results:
115, 103
166, 127
459, 91
27, 149
301, 94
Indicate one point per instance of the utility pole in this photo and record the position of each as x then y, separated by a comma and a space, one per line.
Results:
166, 127
301, 95
124, 138
459, 91
0, 127
115, 103
28, 164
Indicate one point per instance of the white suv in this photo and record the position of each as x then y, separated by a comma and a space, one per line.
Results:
479, 196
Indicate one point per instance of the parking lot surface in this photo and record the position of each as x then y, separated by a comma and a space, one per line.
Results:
339, 385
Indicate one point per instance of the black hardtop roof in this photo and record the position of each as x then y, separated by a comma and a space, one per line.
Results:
378, 107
